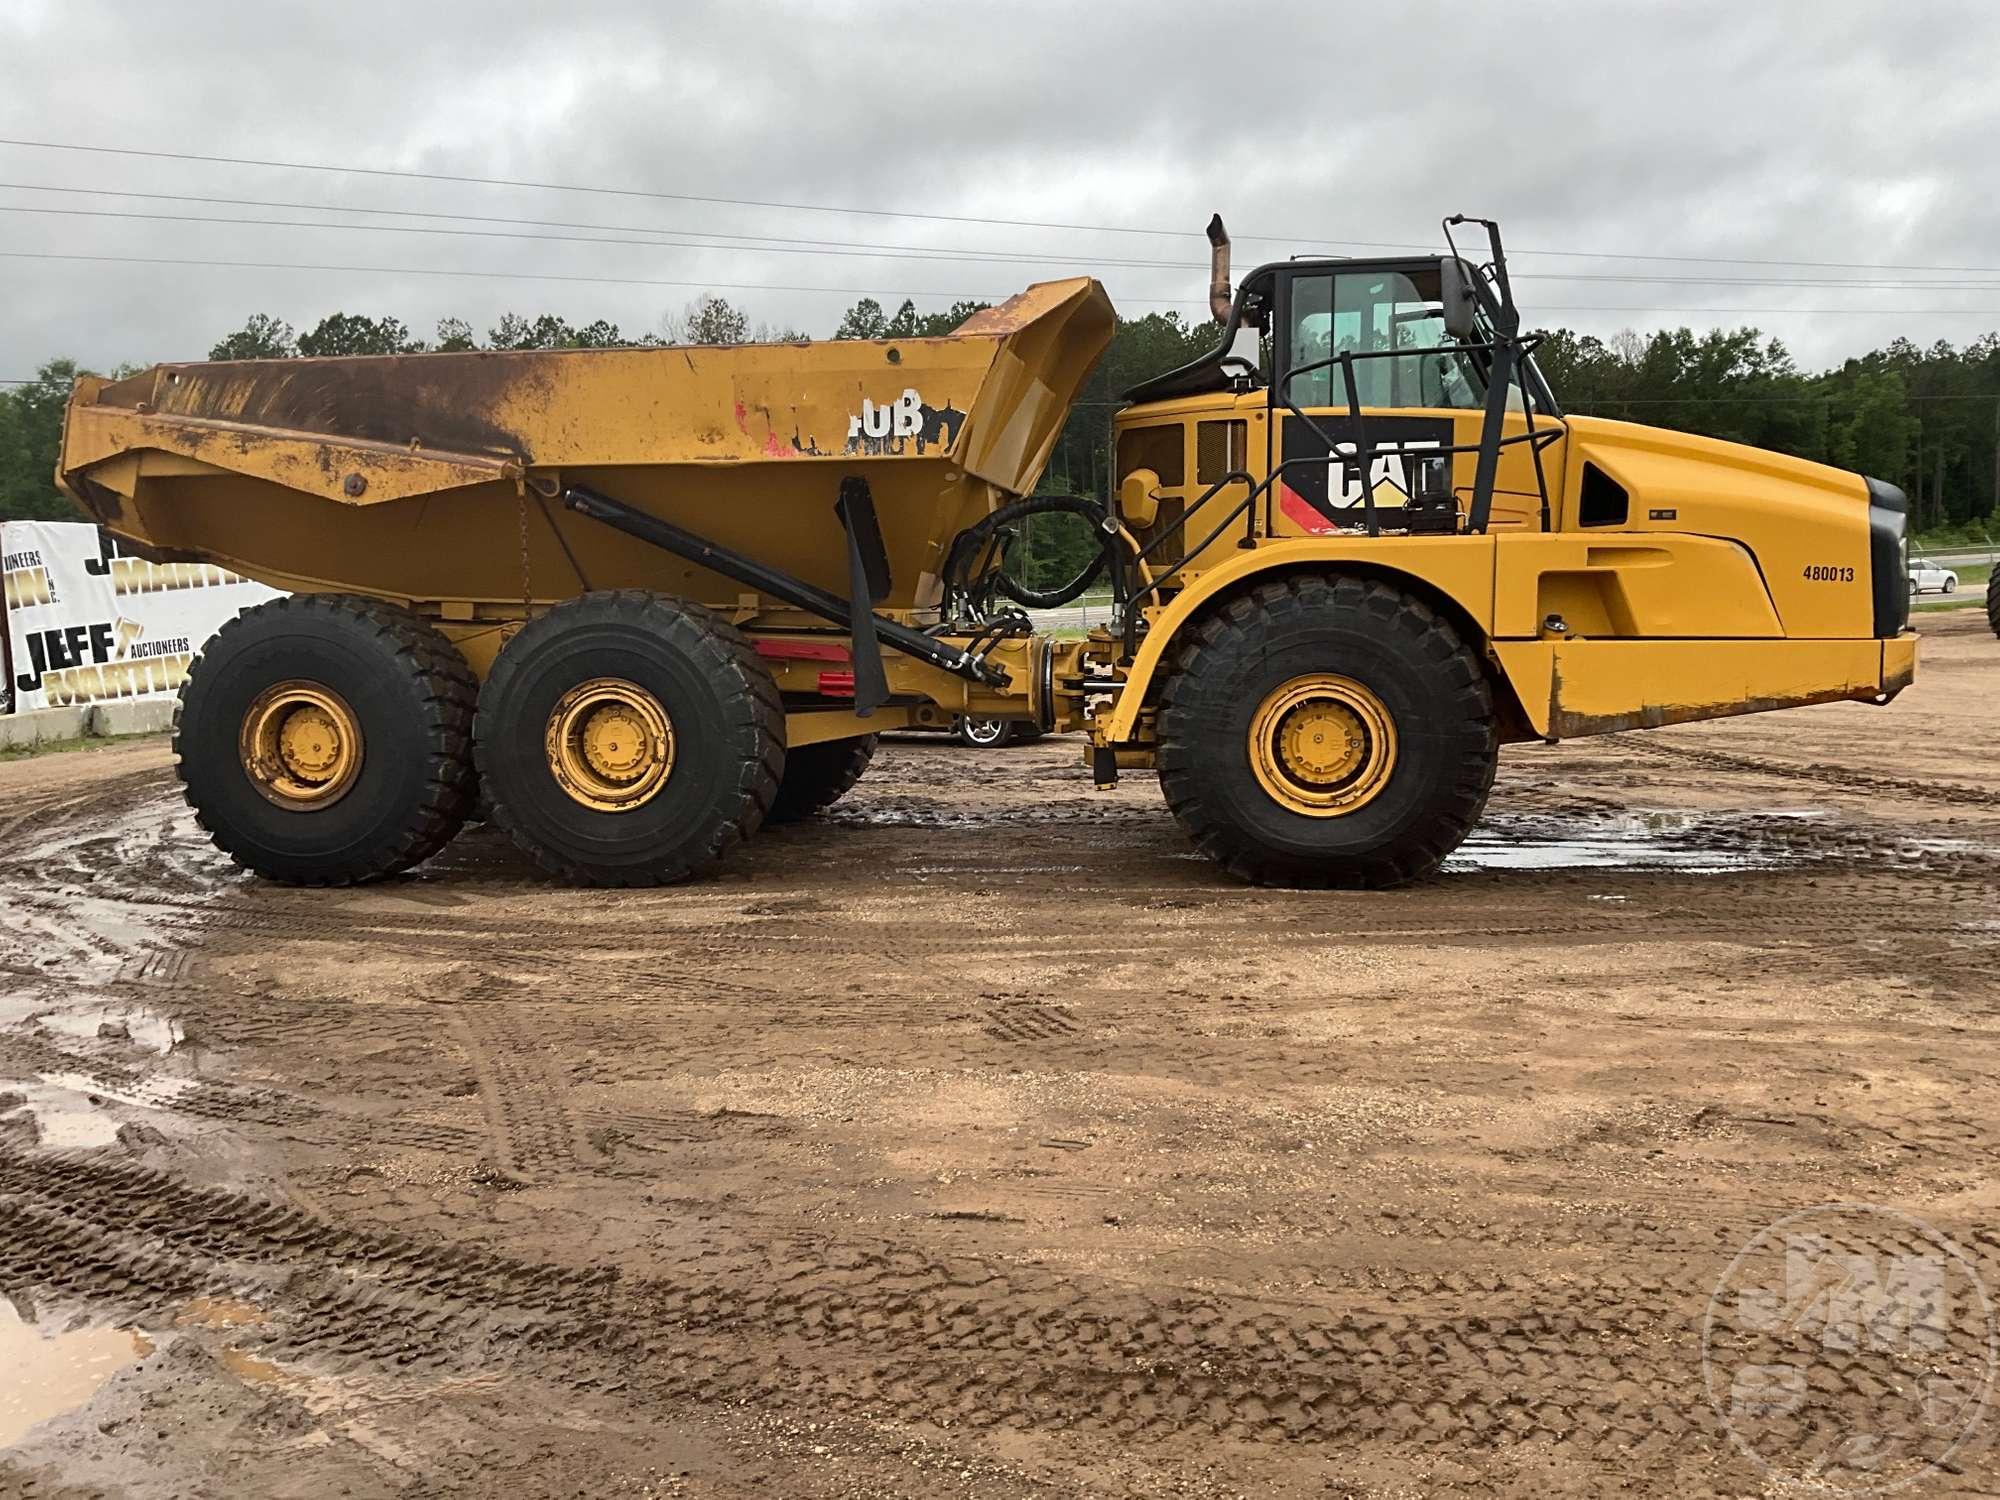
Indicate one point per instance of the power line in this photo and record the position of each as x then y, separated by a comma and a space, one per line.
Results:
412, 213
1985, 400
893, 213
285, 265
1798, 281
950, 257
852, 291
569, 187
947, 256
1769, 312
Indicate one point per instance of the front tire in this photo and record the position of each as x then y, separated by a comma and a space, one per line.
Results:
629, 738
1951, 584
1326, 731
326, 739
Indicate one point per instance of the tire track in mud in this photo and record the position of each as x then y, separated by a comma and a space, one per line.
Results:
1840, 777
1570, 1333
1483, 1360
531, 1129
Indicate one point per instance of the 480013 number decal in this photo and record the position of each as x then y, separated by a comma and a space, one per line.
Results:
1828, 573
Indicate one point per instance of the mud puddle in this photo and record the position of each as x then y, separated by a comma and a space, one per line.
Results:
1698, 843
116, 1024
45, 1373
80, 1112
111, 900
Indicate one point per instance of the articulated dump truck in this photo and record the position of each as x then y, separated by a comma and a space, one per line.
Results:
637, 603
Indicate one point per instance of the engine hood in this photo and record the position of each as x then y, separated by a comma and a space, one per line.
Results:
1664, 453
1822, 540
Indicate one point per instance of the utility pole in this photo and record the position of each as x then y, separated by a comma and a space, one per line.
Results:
1917, 500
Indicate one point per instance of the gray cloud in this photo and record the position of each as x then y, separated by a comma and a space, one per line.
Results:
1833, 132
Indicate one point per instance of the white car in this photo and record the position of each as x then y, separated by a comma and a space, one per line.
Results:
1927, 577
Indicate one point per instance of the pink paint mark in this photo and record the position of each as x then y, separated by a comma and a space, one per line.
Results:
776, 447
742, 418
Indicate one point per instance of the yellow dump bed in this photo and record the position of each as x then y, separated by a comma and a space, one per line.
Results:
420, 476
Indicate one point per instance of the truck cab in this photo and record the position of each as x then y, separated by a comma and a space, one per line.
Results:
1387, 415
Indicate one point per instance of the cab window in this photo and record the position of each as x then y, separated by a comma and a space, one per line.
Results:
1392, 314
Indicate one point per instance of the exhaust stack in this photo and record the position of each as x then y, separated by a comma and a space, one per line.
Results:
1219, 297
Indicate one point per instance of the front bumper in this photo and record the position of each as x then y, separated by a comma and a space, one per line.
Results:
1899, 664
1577, 687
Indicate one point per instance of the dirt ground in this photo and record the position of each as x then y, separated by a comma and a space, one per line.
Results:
980, 1140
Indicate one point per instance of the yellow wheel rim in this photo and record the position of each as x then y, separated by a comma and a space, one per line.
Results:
1322, 745
610, 744
300, 745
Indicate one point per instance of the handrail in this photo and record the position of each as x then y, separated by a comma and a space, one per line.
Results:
1362, 454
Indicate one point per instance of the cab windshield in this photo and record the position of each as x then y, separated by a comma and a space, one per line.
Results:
1397, 317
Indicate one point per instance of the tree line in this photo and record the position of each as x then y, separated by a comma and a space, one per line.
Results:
1926, 418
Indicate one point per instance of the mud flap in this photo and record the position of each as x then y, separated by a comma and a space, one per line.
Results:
868, 585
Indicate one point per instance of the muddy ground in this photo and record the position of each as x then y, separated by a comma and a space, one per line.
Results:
978, 1140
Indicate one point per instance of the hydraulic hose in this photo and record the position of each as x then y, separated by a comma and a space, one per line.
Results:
968, 543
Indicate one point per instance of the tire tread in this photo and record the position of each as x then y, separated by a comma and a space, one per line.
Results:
732, 659
819, 775
449, 693
1262, 619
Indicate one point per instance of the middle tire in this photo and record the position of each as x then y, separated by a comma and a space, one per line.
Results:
819, 775
629, 738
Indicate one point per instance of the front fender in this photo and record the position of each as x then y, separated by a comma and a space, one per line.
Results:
1459, 568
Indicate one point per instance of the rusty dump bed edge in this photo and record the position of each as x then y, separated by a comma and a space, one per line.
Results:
416, 475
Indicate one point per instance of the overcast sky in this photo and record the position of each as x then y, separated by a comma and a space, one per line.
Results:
1821, 132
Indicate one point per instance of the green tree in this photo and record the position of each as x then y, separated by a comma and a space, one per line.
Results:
710, 320
30, 438
937, 325
262, 337
864, 320
545, 332
454, 336
905, 324
347, 333
1140, 349
598, 335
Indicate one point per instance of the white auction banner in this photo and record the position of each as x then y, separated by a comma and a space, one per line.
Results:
86, 624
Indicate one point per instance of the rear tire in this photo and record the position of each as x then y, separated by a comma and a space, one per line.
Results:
1993, 604
1326, 731
819, 775
629, 738
383, 788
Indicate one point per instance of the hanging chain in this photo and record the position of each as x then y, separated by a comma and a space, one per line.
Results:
527, 580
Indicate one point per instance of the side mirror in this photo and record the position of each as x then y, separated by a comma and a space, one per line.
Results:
1460, 305
1137, 503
